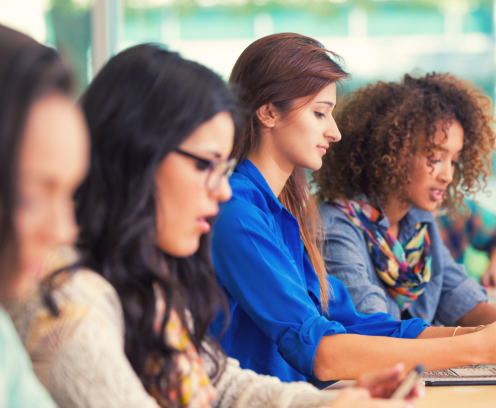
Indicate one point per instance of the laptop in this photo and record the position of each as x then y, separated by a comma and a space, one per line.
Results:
465, 375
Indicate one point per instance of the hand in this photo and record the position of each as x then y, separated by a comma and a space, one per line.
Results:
489, 278
381, 384
359, 397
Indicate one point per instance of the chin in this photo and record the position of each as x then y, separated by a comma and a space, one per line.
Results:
182, 249
313, 166
427, 206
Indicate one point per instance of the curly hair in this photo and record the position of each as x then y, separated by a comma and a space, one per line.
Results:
383, 125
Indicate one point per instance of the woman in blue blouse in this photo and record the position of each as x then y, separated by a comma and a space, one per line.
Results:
289, 319
382, 239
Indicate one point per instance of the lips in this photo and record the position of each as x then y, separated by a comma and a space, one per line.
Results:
436, 194
205, 223
323, 149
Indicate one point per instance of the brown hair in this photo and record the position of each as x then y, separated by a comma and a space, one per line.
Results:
279, 69
381, 127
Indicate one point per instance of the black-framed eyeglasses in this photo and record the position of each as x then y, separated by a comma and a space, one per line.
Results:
216, 168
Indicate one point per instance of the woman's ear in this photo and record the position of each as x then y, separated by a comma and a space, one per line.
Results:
267, 114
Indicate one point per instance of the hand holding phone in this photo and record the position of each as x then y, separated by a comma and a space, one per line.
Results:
406, 386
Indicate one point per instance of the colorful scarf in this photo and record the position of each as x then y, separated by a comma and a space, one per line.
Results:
188, 385
405, 270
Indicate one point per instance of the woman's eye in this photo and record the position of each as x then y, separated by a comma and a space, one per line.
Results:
202, 165
320, 115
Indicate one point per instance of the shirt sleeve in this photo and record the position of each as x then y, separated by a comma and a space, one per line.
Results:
460, 293
241, 388
266, 283
347, 259
22, 388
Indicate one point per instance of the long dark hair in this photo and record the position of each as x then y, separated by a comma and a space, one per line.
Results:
143, 104
281, 68
28, 71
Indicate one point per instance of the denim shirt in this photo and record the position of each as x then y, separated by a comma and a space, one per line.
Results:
276, 319
449, 295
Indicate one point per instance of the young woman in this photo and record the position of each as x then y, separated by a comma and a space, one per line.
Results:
287, 318
43, 157
410, 147
130, 322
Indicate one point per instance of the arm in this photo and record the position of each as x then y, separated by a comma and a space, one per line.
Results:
345, 356
260, 274
244, 388
463, 301
346, 258
482, 313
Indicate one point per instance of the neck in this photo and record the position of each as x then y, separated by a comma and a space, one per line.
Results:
395, 210
273, 165
274, 174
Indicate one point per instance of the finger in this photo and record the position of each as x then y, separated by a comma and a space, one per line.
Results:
417, 392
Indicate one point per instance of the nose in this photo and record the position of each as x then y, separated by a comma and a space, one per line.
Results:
446, 173
223, 191
332, 132
63, 225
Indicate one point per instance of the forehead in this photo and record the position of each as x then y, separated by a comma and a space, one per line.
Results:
55, 142
327, 94
450, 136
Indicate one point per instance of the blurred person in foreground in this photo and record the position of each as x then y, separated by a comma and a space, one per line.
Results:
471, 225
127, 326
408, 147
43, 157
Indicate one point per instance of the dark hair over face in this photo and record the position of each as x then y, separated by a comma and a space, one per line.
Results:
28, 71
143, 104
382, 126
280, 69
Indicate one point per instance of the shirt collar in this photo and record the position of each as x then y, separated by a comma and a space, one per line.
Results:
249, 170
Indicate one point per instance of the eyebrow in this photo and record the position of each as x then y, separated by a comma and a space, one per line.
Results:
331, 104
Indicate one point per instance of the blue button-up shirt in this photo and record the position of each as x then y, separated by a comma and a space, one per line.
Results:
273, 291
449, 295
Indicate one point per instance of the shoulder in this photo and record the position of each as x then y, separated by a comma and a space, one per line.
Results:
336, 223
246, 204
84, 300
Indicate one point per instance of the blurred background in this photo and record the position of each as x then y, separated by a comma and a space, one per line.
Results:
378, 39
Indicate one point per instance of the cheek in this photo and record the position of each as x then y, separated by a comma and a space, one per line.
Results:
177, 209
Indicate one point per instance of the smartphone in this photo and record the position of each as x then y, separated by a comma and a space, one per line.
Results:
406, 386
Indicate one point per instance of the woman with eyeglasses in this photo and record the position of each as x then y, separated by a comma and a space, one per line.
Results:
128, 325
288, 317
43, 157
